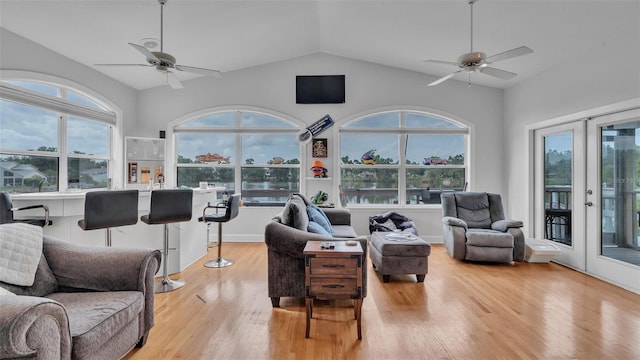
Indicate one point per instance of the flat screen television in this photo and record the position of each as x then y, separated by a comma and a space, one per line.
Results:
320, 89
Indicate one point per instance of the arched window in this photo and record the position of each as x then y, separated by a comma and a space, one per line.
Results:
53, 137
402, 157
254, 153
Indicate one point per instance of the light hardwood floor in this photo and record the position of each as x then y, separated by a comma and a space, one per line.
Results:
461, 311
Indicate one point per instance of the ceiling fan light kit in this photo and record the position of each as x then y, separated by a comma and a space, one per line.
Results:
162, 61
478, 61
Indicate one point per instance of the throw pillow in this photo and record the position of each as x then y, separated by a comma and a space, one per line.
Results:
295, 213
318, 216
316, 228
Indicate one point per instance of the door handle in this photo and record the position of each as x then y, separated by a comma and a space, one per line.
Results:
589, 203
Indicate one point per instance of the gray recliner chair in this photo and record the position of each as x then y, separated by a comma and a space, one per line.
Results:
474, 228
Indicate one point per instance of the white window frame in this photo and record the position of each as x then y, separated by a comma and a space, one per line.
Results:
465, 129
172, 130
112, 116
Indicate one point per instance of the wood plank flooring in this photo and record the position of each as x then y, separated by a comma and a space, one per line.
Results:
461, 311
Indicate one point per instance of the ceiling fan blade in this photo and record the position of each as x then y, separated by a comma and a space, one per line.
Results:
519, 51
145, 52
173, 81
501, 74
143, 65
197, 70
442, 62
444, 78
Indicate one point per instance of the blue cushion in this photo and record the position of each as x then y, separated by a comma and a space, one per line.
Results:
317, 215
314, 227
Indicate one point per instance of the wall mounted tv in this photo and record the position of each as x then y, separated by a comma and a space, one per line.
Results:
320, 89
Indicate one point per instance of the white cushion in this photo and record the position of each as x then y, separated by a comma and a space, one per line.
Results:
20, 252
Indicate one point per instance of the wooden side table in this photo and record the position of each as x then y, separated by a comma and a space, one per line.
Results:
333, 274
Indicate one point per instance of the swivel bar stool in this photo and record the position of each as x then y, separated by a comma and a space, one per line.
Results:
231, 211
168, 206
107, 209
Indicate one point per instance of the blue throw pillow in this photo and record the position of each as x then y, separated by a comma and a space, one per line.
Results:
318, 216
316, 228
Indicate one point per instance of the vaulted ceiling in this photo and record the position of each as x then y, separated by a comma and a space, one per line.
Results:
232, 35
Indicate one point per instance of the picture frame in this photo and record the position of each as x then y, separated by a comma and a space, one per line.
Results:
319, 148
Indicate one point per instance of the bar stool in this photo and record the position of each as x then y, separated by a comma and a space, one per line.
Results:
7, 211
231, 211
168, 206
107, 209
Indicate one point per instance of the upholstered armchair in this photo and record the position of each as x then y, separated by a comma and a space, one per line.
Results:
474, 228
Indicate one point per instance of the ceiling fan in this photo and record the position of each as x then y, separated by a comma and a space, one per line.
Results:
478, 61
164, 62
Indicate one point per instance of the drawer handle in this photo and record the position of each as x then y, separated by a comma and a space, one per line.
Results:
333, 286
333, 266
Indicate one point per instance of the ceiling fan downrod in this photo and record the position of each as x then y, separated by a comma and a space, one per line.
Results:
471, 2
162, 2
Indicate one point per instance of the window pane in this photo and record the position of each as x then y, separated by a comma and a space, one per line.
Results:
83, 100
37, 87
268, 185
87, 173
87, 137
23, 174
369, 149
191, 177
384, 120
27, 128
435, 149
249, 119
370, 186
424, 186
212, 148
270, 149
417, 120
226, 119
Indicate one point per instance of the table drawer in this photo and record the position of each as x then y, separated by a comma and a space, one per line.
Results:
333, 266
333, 287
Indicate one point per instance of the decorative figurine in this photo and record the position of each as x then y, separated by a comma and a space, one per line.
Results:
318, 170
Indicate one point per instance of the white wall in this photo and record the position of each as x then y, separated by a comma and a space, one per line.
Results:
368, 87
603, 76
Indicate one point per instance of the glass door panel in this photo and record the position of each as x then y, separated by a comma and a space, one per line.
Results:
558, 186
619, 174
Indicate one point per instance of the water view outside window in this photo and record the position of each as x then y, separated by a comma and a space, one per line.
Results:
620, 179
558, 186
400, 156
30, 151
216, 148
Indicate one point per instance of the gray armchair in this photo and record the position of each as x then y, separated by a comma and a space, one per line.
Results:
85, 303
474, 228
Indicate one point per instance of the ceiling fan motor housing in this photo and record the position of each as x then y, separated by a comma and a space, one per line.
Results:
166, 60
472, 61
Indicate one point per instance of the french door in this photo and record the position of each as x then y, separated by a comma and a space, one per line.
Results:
560, 190
587, 195
613, 182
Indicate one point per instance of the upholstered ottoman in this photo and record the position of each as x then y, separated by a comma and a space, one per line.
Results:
394, 254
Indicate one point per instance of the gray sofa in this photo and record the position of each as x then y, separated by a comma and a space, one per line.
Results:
475, 228
286, 236
85, 303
